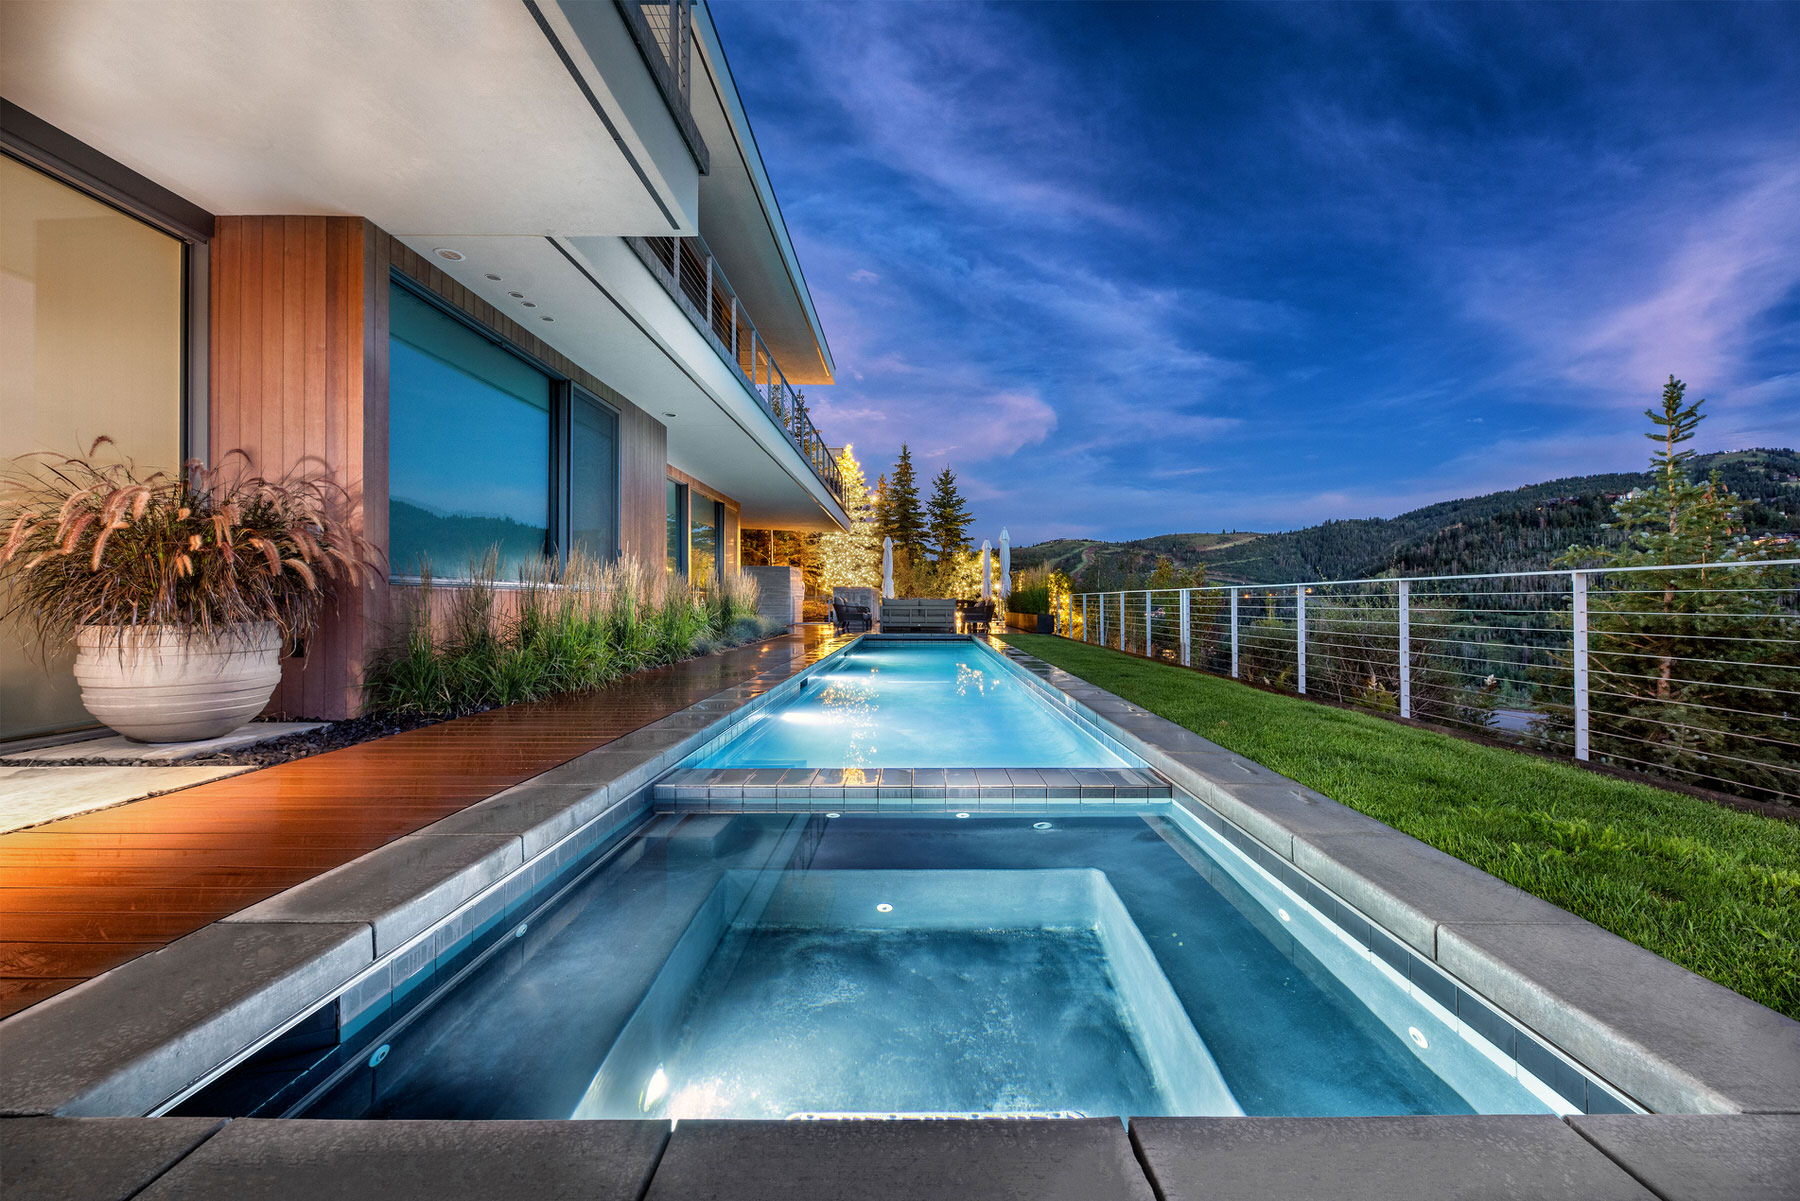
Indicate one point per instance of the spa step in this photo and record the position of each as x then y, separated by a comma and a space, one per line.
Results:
750, 786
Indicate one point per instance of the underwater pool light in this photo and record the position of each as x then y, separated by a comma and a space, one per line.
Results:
656, 1088
962, 815
884, 907
1414, 1033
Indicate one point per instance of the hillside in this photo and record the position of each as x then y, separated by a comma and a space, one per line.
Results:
1516, 530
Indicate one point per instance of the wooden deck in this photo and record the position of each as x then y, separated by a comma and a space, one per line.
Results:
84, 894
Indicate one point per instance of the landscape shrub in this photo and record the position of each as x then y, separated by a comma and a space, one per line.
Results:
457, 648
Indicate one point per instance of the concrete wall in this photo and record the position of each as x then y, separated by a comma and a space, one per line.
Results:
781, 592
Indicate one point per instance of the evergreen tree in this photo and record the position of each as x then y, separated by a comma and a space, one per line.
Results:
1687, 669
852, 558
947, 519
905, 520
884, 519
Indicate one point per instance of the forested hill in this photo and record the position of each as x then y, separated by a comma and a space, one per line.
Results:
1521, 529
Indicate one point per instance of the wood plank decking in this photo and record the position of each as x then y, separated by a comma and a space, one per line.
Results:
84, 894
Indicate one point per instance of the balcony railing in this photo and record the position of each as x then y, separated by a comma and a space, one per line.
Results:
689, 273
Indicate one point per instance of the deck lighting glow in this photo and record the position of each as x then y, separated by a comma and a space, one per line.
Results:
656, 1088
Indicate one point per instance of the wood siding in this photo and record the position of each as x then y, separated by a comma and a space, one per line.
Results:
298, 376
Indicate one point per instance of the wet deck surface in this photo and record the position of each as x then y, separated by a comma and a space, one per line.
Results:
84, 894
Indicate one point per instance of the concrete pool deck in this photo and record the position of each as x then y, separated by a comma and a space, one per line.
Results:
130, 1041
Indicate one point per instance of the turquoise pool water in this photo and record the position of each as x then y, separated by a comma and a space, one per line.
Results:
788, 965
926, 704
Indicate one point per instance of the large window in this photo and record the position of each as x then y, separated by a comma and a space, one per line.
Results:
677, 519
706, 527
468, 449
91, 344
593, 479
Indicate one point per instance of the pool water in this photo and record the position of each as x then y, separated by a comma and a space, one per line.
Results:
778, 965
929, 704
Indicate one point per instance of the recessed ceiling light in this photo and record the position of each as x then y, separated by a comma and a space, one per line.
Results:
444, 252
668, 414
546, 319
493, 277
517, 295
531, 304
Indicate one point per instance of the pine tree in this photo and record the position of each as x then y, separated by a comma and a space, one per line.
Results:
905, 519
884, 515
852, 558
1687, 668
947, 519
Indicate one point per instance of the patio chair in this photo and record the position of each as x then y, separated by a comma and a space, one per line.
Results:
851, 618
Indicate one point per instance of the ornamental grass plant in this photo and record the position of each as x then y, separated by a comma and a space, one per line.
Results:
93, 541
477, 643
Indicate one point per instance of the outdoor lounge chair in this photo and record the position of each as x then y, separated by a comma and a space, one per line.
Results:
850, 618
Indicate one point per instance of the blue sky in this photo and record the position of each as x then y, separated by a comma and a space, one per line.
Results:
1132, 269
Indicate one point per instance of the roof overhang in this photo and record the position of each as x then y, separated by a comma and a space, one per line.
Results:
614, 318
467, 116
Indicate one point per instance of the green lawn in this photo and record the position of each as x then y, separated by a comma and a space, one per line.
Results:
1715, 889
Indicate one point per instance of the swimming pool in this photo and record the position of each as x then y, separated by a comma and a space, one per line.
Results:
714, 959
920, 704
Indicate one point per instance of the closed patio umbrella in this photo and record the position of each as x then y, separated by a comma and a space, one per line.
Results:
987, 573
887, 569
1005, 563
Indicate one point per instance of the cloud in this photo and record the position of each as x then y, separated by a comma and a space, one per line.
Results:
1256, 266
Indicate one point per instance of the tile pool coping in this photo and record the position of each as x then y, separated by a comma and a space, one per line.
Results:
128, 1041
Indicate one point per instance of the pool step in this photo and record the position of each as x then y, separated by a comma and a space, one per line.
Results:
908, 787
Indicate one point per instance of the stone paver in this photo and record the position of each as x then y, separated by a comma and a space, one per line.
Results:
92, 1159
1677, 1042
129, 1043
400, 889
1377, 1159
31, 796
1738, 1157
417, 1161
1078, 1160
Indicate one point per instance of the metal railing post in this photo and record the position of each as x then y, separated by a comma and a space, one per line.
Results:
1234, 634
1100, 630
1300, 636
1579, 583
1186, 638
1084, 617
1405, 648
1149, 627
1122, 622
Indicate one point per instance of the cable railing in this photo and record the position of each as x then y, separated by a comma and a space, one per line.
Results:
690, 274
1690, 672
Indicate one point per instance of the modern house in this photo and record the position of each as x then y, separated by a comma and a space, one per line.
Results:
512, 270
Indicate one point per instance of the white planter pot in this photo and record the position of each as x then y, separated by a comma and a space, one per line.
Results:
163, 685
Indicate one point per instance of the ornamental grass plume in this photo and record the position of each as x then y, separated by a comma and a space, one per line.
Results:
92, 542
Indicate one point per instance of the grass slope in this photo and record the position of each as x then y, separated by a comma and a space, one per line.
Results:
1714, 889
